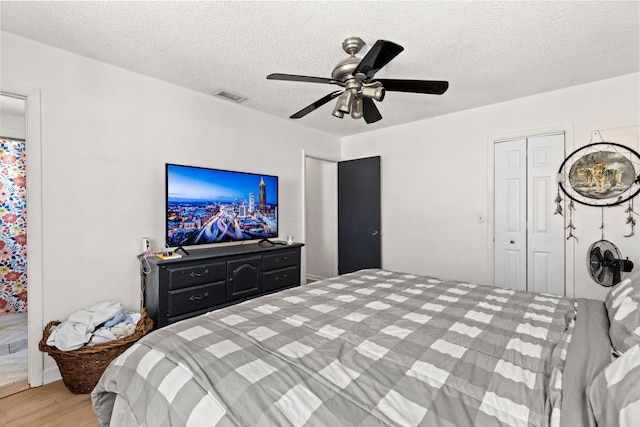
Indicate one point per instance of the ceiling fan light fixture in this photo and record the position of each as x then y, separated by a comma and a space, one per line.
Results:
376, 93
344, 102
356, 110
337, 113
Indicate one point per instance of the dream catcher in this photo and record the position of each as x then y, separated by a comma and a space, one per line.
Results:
600, 174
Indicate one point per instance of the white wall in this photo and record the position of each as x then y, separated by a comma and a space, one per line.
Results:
437, 179
12, 126
106, 135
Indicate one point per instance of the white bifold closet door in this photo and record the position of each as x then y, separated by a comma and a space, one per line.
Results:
529, 238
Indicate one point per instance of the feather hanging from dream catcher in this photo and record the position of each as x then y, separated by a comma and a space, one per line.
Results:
571, 227
558, 202
631, 220
571, 208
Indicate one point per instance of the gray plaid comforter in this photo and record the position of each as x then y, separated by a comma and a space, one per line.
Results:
372, 348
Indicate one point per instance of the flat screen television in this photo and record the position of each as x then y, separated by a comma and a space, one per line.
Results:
213, 206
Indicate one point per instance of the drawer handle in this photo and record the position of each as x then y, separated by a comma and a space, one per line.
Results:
194, 274
284, 258
198, 297
278, 278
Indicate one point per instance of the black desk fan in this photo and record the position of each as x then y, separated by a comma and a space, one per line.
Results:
605, 263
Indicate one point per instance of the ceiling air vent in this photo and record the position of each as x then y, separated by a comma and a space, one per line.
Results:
223, 94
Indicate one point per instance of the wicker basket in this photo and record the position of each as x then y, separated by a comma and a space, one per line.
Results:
82, 368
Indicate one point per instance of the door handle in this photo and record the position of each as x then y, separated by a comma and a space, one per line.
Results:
513, 242
375, 233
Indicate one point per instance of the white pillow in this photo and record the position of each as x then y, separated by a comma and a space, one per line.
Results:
622, 303
614, 394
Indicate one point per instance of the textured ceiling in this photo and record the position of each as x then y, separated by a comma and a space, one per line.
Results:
488, 51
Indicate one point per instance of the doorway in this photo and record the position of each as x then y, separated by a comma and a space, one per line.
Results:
528, 236
321, 212
31, 97
13, 245
342, 216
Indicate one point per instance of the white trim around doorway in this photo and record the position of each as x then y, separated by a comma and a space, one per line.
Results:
34, 221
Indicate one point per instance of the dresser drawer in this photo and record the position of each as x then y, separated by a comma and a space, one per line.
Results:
281, 260
185, 276
282, 278
196, 298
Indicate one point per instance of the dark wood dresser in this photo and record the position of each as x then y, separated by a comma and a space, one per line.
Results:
211, 278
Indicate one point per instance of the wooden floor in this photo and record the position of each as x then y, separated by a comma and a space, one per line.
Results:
49, 405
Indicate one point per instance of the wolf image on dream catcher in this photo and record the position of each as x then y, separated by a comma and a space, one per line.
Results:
600, 174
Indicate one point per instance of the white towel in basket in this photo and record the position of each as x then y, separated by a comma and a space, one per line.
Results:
76, 331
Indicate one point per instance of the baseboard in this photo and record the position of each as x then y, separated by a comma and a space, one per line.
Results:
50, 375
314, 278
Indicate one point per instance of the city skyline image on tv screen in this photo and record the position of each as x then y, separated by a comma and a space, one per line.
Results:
213, 206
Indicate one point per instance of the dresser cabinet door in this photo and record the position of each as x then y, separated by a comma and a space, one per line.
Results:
243, 277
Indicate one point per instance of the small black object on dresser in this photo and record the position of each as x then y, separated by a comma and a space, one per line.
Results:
211, 278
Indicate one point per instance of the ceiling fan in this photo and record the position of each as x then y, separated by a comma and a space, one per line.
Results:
357, 77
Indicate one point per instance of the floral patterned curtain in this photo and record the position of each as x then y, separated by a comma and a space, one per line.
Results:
13, 227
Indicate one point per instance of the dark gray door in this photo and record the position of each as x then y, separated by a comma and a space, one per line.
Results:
359, 240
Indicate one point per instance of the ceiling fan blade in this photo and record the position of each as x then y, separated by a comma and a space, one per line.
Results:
381, 54
433, 87
295, 78
319, 103
370, 112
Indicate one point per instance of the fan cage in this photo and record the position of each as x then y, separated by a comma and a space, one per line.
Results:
604, 275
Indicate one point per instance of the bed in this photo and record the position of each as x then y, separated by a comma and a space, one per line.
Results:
370, 348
